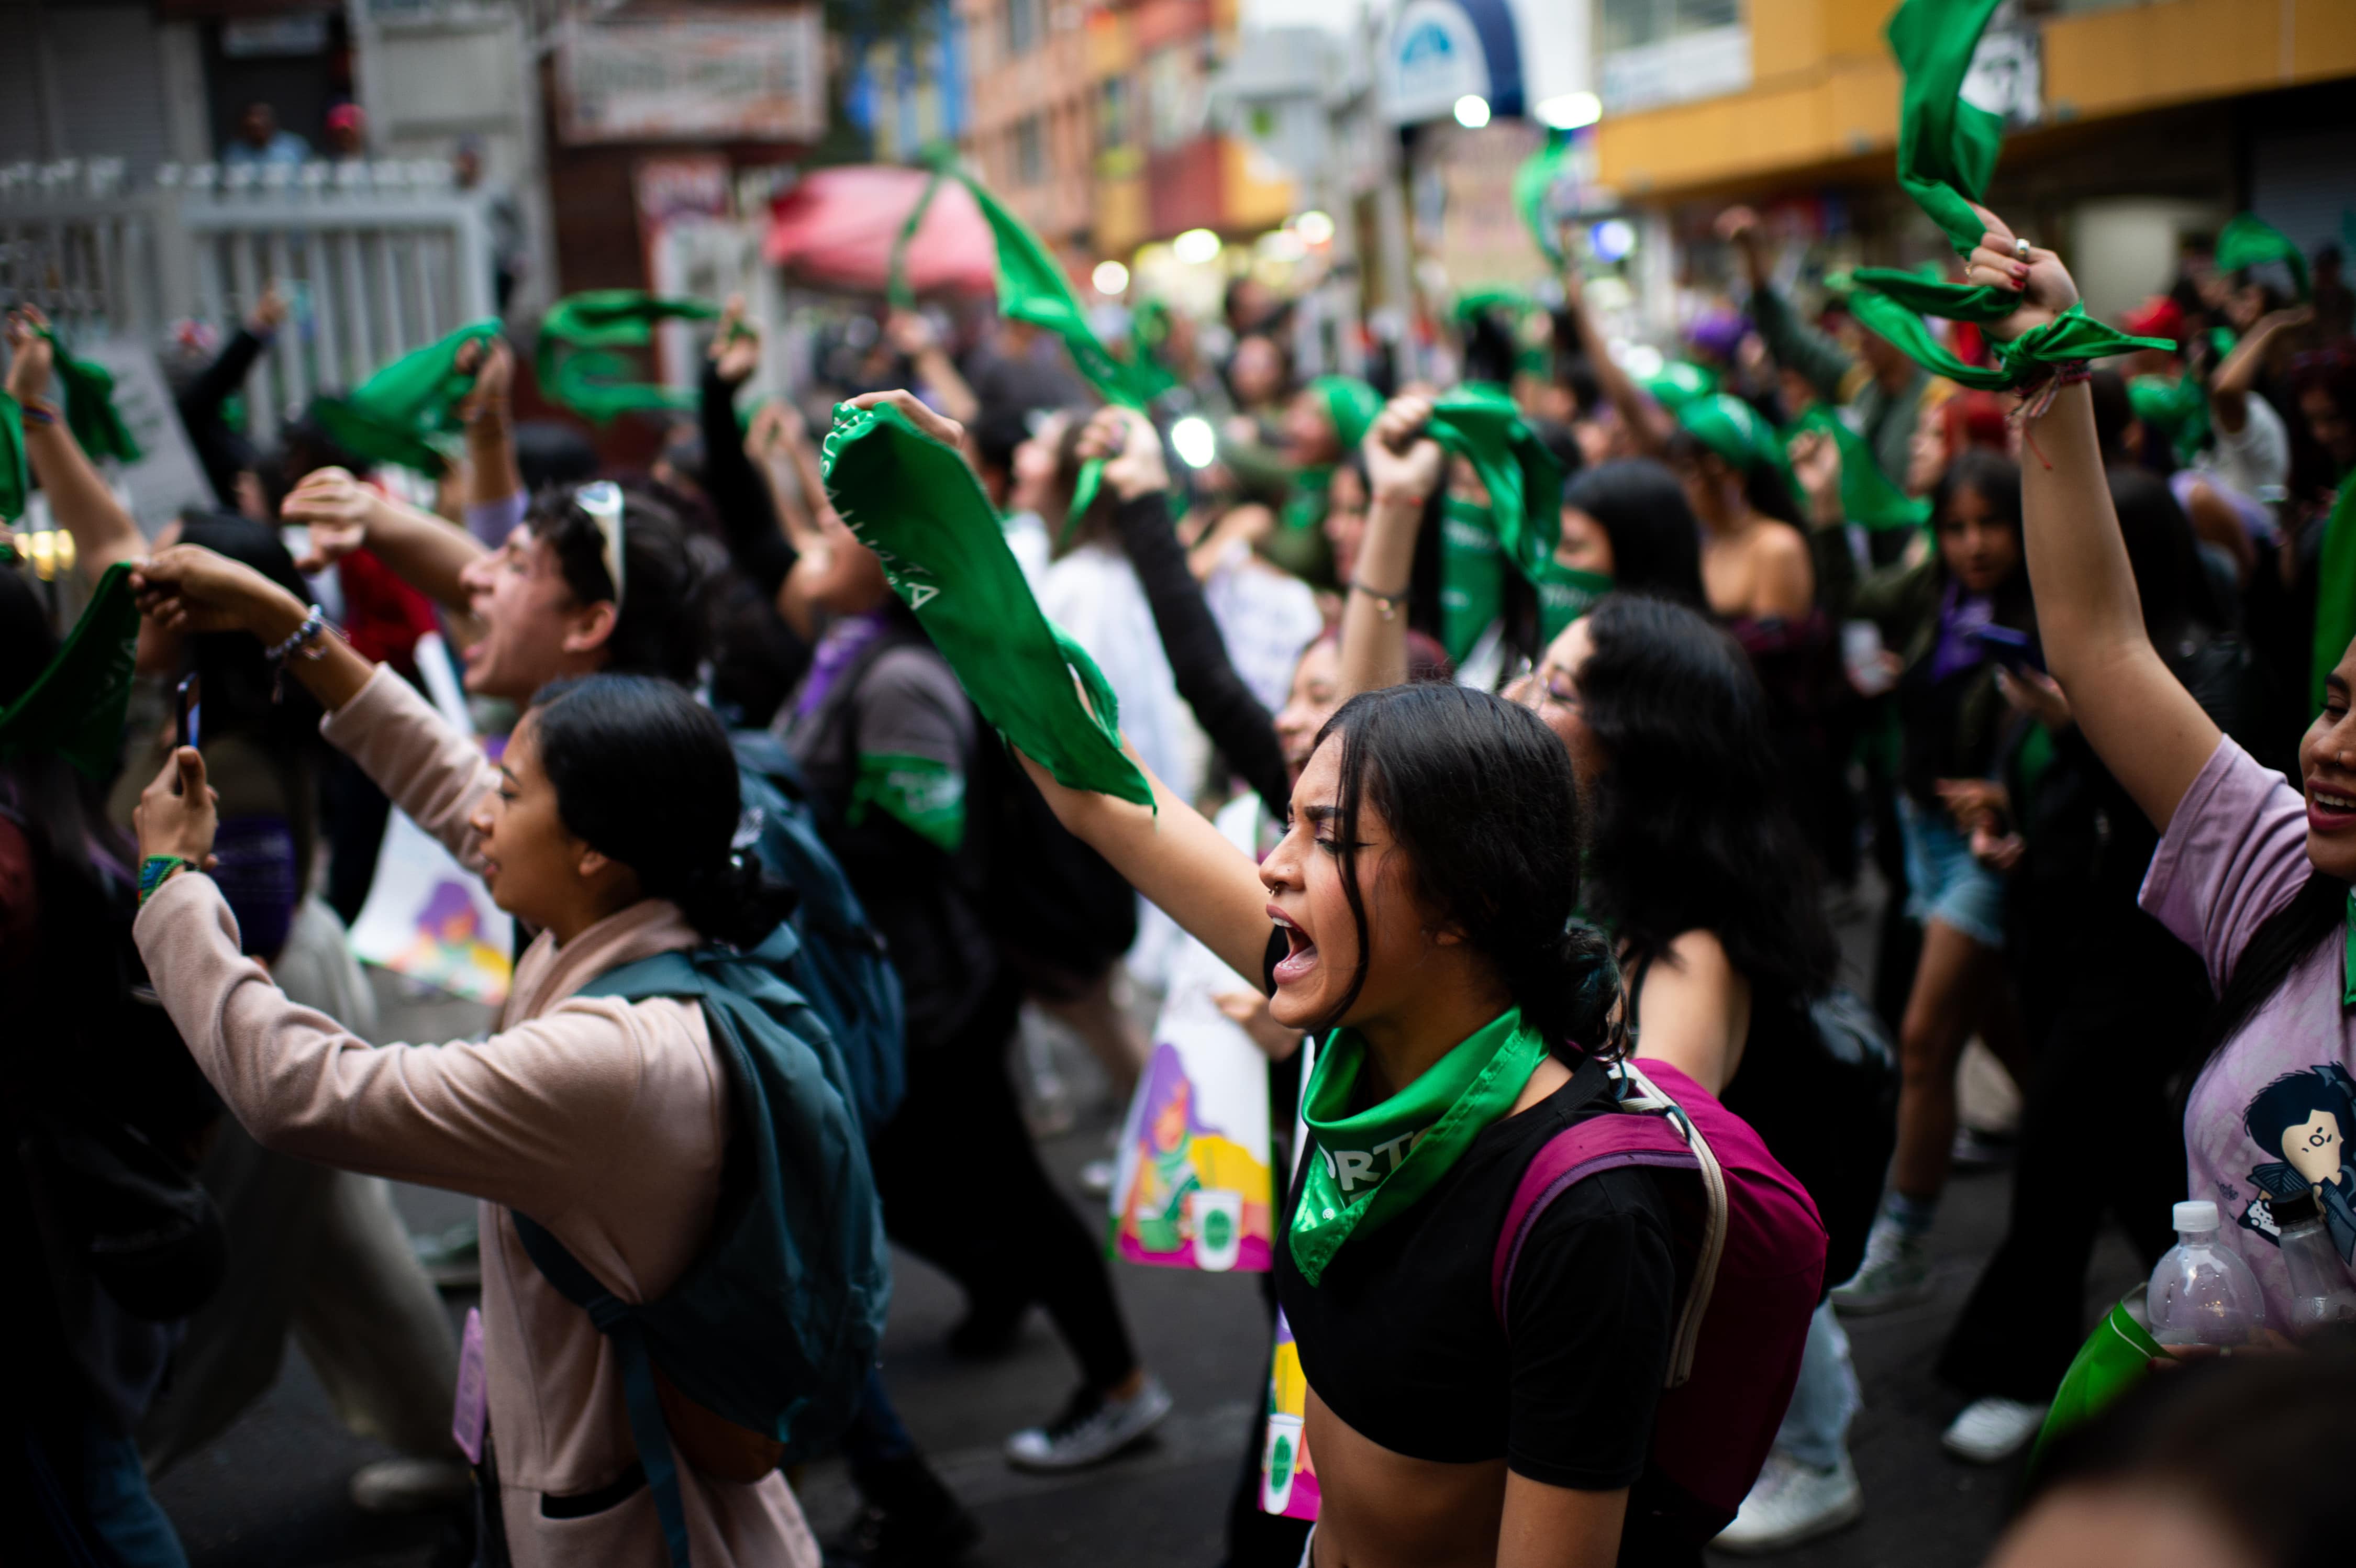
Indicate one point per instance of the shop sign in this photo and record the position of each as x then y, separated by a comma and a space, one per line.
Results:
740, 75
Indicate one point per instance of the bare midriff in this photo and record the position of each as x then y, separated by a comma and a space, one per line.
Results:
1378, 1508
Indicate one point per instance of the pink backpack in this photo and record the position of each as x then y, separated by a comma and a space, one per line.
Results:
1756, 1280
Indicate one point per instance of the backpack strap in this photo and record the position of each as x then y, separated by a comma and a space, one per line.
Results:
662, 974
615, 1319
1645, 1128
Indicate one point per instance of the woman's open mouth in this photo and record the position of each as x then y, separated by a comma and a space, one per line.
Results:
1297, 964
2329, 811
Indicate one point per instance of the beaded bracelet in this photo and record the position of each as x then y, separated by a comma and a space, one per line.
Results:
154, 870
313, 625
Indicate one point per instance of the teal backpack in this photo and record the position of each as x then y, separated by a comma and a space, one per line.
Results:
775, 1326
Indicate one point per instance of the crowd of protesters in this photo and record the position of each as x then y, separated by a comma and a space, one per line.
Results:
1483, 843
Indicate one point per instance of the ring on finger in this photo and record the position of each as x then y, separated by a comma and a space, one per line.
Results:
2020, 250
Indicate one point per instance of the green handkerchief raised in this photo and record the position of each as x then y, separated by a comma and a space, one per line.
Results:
75, 707
915, 503
395, 416
590, 378
1482, 424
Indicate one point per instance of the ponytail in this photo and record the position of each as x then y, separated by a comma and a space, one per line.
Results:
644, 775
1569, 991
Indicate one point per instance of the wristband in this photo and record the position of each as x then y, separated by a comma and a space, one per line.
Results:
314, 623
1385, 605
39, 411
154, 870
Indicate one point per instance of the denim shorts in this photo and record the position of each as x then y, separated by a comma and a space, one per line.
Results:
1943, 883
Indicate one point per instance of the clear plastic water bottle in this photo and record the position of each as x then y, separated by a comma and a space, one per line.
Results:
2320, 1287
2200, 1293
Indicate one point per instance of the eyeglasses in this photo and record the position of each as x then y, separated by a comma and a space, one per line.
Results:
602, 501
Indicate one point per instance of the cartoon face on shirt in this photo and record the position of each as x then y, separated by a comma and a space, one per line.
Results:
2305, 1119
2312, 1147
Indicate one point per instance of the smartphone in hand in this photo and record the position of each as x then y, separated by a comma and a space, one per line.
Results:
187, 717
2013, 649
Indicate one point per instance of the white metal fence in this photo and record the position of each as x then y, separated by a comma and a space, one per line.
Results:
376, 259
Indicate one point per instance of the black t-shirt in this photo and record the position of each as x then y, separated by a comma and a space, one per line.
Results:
1401, 1339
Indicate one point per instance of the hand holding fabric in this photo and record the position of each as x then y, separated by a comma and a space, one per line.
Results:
1124, 440
1404, 463
31, 355
190, 588
735, 344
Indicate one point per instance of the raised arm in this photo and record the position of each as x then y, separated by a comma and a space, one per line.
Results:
424, 551
1174, 855
1813, 357
2147, 729
1648, 422
731, 476
102, 532
1404, 466
200, 403
493, 477
912, 335
2230, 387
1237, 721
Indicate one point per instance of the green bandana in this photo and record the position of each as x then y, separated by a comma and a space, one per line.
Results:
1732, 428
1533, 183
1529, 356
1031, 288
1947, 149
1148, 329
1482, 426
1371, 1167
1304, 503
2335, 594
2177, 406
14, 469
397, 415
2249, 241
75, 707
97, 424
593, 380
1868, 498
1564, 595
915, 503
1679, 382
1350, 405
1471, 575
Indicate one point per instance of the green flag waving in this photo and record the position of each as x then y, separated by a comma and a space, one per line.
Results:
2249, 241
1482, 424
577, 360
915, 503
75, 707
89, 387
1533, 183
1948, 138
396, 416
1031, 288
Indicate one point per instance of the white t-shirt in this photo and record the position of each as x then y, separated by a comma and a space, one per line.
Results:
1265, 618
2257, 461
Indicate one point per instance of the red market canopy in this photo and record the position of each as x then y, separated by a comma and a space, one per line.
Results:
836, 230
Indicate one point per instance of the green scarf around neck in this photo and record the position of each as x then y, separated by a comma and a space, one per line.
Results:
1368, 1166
577, 363
74, 707
1471, 575
97, 424
398, 414
1947, 148
1305, 501
915, 503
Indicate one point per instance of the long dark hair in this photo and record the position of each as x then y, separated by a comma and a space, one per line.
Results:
1479, 796
241, 689
2284, 939
1689, 826
1655, 539
644, 774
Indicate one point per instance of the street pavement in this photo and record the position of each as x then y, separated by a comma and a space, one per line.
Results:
271, 1493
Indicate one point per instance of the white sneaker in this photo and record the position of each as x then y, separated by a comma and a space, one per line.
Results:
1896, 1272
1792, 1503
409, 1486
1092, 1429
1992, 1430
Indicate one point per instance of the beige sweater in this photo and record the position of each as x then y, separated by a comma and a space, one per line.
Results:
602, 1120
